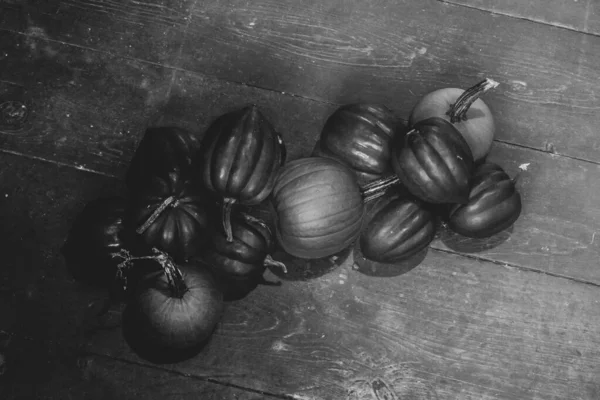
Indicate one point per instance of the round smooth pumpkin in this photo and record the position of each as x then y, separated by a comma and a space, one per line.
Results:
470, 115
360, 135
319, 207
494, 204
173, 313
398, 226
434, 162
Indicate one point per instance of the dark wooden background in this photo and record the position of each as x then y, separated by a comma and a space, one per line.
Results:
520, 320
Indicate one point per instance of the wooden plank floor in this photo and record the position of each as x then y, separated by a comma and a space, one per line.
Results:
520, 320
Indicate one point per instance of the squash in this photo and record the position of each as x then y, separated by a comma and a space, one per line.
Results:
319, 207
494, 204
162, 151
240, 156
239, 265
434, 162
360, 135
97, 234
397, 227
174, 312
172, 214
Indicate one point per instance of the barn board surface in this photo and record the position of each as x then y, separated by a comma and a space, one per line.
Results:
518, 319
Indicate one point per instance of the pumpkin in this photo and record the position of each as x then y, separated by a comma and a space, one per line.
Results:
240, 156
239, 265
162, 151
173, 313
434, 162
360, 136
463, 108
398, 226
97, 234
172, 214
494, 204
319, 207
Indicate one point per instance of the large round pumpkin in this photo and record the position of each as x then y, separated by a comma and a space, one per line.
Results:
319, 207
360, 135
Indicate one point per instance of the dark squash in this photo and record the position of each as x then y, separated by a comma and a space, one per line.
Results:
162, 151
173, 215
99, 232
240, 156
319, 207
239, 265
360, 135
434, 162
397, 227
494, 204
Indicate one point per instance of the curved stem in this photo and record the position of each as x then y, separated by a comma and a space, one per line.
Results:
376, 189
270, 262
458, 111
169, 202
174, 276
226, 217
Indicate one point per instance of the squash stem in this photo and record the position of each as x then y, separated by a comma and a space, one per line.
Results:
226, 217
376, 189
270, 262
174, 276
170, 201
458, 111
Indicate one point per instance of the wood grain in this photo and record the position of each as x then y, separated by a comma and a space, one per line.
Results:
380, 51
86, 108
580, 15
452, 328
391, 52
149, 30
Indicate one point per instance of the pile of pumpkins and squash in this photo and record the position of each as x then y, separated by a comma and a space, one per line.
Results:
183, 241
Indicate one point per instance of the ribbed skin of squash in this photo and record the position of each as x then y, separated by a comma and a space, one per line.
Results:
319, 207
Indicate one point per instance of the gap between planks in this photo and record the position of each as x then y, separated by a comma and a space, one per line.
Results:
523, 18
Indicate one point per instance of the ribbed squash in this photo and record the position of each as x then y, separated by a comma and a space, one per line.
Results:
434, 162
240, 156
494, 204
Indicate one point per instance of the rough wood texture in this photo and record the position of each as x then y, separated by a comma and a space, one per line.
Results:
579, 15
452, 328
517, 320
85, 108
371, 51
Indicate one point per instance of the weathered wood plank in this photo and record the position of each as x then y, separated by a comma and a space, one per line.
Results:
150, 30
38, 203
451, 328
382, 51
393, 52
580, 15
86, 108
